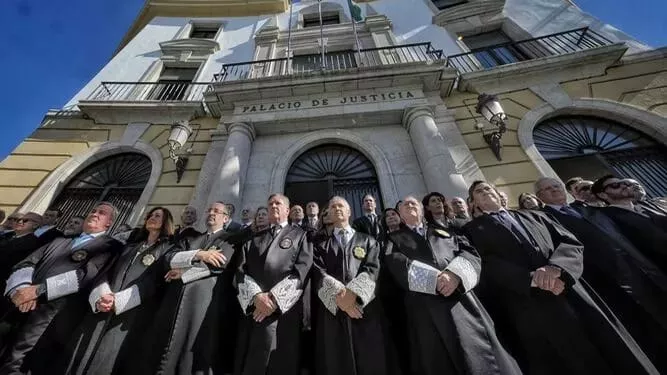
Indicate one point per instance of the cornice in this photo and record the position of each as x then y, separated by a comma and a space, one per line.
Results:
470, 9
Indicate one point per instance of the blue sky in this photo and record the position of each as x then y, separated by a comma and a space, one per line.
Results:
51, 48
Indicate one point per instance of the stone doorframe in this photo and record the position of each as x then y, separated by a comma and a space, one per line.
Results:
48, 190
342, 137
647, 122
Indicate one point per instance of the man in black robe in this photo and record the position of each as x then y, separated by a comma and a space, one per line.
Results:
47, 232
349, 326
186, 232
530, 284
195, 325
655, 204
53, 283
122, 303
634, 288
646, 229
449, 331
369, 222
271, 275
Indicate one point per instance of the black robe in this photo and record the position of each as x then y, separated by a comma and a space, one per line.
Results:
648, 232
184, 236
631, 285
447, 335
49, 236
344, 345
195, 324
572, 333
279, 266
12, 252
104, 342
69, 275
364, 225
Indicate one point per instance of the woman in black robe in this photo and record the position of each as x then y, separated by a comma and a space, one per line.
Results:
449, 330
122, 303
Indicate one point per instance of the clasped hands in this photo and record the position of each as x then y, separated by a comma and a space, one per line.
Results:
25, 299
265, 306
548, 278
212, 257
105, 303
346, 300
447, 283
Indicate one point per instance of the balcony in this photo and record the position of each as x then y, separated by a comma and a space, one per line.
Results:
580, 48
417, 64
115, 102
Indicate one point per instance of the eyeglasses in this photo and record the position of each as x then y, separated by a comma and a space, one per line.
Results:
585, 188
25, 220
616, 185
12, 219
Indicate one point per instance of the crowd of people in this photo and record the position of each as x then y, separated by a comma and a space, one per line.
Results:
430, 286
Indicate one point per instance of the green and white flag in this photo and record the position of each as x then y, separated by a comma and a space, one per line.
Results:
355, 11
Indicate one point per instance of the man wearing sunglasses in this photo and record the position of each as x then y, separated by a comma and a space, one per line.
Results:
657, 205
647, 230
629, 283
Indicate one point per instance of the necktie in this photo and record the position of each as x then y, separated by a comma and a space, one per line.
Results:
83, 238
371, 217
275, 230
419, 231
570, 211
207, 238
342, 237
504, 218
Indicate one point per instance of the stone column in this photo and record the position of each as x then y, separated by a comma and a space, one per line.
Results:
229, 182
209, 170
436, 162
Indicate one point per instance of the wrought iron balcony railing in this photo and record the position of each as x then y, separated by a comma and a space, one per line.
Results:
335, 61
163, 91
529, 49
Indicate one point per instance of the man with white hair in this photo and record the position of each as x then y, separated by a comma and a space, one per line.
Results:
48, 281
345, 273
449, 331
628, 282
273, 269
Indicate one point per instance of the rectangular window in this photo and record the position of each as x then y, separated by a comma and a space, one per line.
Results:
173, 84
494, 48
328, 18
444, 4
204, 31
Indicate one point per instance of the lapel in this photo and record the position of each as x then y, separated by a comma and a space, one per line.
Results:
90, 246
274, 243
352, 262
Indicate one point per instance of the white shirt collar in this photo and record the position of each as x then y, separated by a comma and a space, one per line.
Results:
282, 225
556, 206
94, 235
215, 231
43, 229
628, 206
22, 235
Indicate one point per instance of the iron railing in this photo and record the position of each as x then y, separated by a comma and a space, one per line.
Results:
335, 61
529, 49
162, 91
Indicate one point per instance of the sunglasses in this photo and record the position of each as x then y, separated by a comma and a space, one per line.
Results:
585, 188
25, 220
616, 185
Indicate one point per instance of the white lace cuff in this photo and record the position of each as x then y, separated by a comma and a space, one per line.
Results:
97, 293
328, 291
19, 277
248, 289
422, 278
462, 268
195, 273
286, 293
363, 287
183, 259
127, 299
61, 285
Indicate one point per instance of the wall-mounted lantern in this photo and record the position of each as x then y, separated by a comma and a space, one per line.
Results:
178, 137
489, 107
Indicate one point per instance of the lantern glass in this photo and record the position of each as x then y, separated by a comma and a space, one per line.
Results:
179, 135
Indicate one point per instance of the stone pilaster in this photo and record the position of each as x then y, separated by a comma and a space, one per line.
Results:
436, 161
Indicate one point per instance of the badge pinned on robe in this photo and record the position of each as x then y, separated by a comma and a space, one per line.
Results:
359, 252
442, 233
148, 259
286, 243
79, 255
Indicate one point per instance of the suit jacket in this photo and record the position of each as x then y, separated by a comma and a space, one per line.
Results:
49, 236
233, 226
14, 251
363, 224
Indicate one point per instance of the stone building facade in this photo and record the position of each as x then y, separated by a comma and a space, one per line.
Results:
393, 114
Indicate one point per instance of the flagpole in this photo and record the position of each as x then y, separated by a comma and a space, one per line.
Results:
319, 8
289, 39
356, 36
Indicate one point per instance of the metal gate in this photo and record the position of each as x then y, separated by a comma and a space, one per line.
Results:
328, 170
589, 147
118, 179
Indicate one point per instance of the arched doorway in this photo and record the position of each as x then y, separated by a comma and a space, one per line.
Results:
591, 147
328, 170
119, 179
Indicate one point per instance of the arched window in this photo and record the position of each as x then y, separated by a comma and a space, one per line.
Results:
591, 147
328, 170
119, 179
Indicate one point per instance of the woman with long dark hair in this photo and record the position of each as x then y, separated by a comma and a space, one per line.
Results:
123, 302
